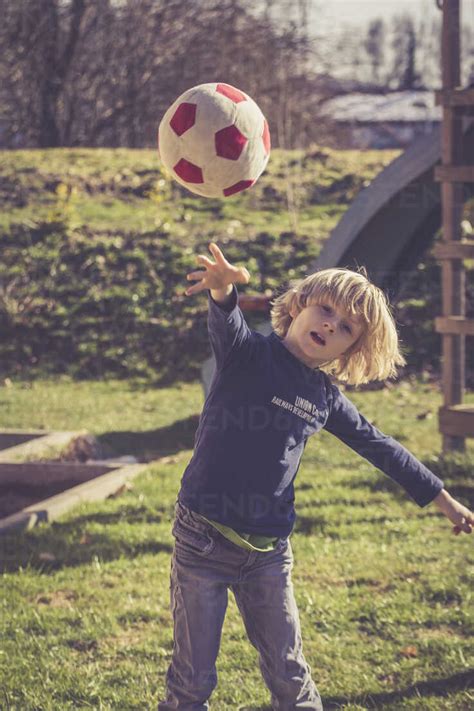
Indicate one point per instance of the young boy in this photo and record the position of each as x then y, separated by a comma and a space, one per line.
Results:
235, 509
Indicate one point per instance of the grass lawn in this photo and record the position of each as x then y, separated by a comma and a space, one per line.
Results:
383, 587
126, 190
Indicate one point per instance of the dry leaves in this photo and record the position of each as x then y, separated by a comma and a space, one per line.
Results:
409, 651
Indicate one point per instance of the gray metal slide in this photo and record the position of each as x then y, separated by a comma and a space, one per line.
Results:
391, 222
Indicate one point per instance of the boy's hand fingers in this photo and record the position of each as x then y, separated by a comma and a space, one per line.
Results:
244, 275
217, 274
195, 288
217, 253
465, 526
204, 260
195, 275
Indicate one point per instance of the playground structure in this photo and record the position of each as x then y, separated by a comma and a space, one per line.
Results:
456, 421
392, 222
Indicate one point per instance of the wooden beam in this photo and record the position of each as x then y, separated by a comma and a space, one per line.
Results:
455, 325
452, 271
39, 474
50, 509
37, 445
455, 97
12, 438
451, 45
463, 249
457, 420
258, 302
454, 173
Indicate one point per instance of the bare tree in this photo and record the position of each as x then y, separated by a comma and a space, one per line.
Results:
39, 39
404, 44
374, 46
102, 72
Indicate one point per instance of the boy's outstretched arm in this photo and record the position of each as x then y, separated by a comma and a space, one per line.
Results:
458, 514
388, 455
229, 334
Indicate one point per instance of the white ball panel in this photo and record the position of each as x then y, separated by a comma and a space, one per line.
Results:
221, 173
249, 119
170, 147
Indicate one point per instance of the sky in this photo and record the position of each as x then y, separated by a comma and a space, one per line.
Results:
331, 19
328, 14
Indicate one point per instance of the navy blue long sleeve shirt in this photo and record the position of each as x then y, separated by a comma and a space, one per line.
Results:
262, 406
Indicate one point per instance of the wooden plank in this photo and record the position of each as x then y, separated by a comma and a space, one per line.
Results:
453, 297
454, 173
457, 420
455, 97
12, 437
8, 431
257, 302
46, 473
451, 45
455, 325
35, 448
453, 276
463, 249
50, 509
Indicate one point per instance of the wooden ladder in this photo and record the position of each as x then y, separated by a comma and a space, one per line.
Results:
456, 420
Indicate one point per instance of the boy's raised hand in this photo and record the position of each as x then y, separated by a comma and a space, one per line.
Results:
217, 275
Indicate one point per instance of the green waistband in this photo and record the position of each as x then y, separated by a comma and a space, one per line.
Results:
250, 541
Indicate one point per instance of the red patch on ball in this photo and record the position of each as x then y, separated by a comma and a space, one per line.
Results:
238, 187
188, 171
184, 118
231, 92
266, 137
230, 143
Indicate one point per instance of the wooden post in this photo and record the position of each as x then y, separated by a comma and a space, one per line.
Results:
453, 273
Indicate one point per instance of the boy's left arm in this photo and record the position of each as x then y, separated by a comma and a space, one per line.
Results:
458, 514
385, 453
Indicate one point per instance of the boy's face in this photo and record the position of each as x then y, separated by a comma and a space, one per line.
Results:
321, 333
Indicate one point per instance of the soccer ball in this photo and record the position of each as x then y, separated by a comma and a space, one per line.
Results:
214, 140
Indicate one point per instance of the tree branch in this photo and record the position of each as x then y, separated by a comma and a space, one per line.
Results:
77, 12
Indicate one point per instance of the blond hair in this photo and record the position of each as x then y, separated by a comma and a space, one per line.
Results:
376, 353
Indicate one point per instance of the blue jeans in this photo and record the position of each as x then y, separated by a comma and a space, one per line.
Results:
204, 565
